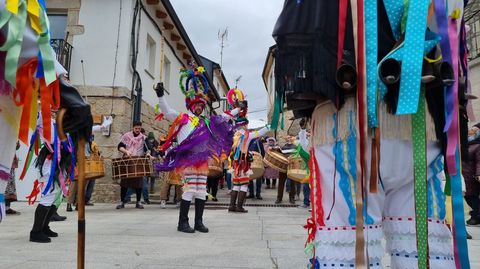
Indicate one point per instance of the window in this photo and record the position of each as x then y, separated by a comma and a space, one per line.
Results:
58, 26
151, 54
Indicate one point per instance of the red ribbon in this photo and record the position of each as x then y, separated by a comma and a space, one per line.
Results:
37, 187
159, 117
342, 17
311, 228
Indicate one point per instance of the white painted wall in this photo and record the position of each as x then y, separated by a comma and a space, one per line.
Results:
97, 47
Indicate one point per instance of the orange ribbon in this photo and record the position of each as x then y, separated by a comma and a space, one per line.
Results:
22, 95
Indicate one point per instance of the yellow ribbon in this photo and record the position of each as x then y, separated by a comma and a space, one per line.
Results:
34, 9
12, 6
456, 14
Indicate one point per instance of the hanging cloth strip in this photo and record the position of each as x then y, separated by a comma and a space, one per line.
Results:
419, 137
412, 64
15, 14
277, 110
371, 40
359, 41
459, 230
54, 161
453, 156
451, 102
33, 149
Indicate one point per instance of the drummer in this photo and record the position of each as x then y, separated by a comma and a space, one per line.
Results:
287, 149
132, 144
270, 175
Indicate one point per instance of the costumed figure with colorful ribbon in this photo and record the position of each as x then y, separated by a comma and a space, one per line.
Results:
27, 62
240, 157
56, 160
378, 147
199, 138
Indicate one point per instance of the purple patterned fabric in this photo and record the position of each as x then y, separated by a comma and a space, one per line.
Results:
202, 143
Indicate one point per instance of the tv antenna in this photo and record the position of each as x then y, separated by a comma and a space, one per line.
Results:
237, 80
223, 37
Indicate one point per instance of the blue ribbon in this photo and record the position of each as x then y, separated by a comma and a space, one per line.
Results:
371, 38
394, 10
40, 70
413, 58
458, 215
54, 161
42, 3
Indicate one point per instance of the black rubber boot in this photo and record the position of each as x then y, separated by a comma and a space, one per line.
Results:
183, 225
46, 228
199, 207
56, 217
241, 200
233, 201
36, 234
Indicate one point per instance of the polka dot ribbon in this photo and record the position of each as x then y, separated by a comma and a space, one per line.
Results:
371, 39
420, 175
413, 57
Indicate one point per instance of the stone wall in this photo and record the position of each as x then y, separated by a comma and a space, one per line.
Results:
117, 102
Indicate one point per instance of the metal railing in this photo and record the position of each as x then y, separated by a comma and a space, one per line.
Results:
64, 52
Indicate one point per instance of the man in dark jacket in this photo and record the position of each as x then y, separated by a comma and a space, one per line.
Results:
471, 174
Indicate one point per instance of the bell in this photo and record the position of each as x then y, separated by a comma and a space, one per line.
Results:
444, 76
427, 72
390, 70
444, 71
346, 77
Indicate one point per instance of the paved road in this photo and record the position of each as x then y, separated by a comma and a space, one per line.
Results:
266, 237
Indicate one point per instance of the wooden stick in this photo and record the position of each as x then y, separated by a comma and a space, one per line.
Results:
81, 189
81, 204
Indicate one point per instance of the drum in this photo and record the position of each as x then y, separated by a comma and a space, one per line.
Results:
297, 169
174, 178
215, 168
276, 160
132, 167
257, 165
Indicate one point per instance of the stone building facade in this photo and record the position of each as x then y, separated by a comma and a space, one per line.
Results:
98, 35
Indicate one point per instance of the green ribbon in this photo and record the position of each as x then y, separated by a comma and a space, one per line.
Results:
300, 152
13, 44
420, 175
277, 109
46, 51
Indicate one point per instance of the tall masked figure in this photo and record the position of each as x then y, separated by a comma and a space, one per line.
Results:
199, 138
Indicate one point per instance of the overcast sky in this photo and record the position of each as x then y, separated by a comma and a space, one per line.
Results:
250, 24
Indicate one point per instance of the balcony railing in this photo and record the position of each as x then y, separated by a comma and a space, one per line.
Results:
64, 52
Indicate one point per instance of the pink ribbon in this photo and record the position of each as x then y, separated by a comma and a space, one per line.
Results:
452, 131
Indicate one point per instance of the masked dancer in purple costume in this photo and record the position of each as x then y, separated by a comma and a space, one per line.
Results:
199, 138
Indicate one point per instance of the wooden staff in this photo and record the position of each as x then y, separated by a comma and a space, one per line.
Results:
81, 189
